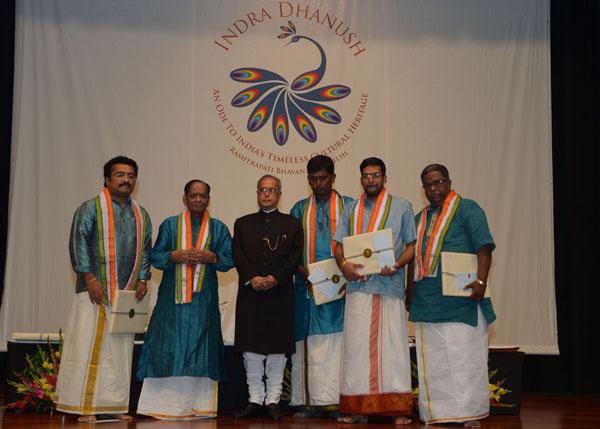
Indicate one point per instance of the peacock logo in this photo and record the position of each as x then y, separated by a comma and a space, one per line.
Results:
288, 103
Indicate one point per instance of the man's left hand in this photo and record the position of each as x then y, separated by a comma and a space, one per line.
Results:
477, 291
387, 271
205, 256
270, 282
141, 289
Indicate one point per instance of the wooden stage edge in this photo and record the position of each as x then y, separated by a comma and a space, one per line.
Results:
547, 411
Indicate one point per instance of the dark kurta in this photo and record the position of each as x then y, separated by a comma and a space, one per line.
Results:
266, 244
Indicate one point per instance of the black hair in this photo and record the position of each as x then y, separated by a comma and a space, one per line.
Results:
318, 163
189, 184
372, 161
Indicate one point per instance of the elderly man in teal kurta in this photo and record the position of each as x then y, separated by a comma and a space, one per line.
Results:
110, 243
316, 363
182, 360
452, 332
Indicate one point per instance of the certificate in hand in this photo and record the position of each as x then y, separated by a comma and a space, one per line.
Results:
326, 279
459, 270
128, 316
374, 250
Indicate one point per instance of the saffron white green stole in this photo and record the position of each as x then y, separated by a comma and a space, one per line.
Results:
427, 263
190, 276
379, 216
309, 220
107, 249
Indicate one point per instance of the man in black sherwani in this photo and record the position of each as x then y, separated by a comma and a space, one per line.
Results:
267, 248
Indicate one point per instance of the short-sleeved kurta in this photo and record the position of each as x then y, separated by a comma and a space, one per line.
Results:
467, 232
312, 319
401, 221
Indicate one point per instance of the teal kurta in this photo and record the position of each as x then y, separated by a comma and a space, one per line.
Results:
312, 319
467, 232
186, 339
83, 243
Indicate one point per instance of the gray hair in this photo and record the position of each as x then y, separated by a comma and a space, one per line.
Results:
266, 176
435, 167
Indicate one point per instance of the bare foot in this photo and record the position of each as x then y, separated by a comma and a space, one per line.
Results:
86, 419
473, 424
122, 416
354, 418
402, 421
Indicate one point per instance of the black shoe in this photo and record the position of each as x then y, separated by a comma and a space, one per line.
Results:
251, 410
273, 412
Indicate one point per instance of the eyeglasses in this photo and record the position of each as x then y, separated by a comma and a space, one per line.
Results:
267, 190
435, 183
371, 176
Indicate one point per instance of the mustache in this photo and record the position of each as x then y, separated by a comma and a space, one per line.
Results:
125, 184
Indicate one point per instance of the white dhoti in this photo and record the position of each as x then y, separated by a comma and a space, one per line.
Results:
95, 366
316, 372
453, 371
375, 356
175, 398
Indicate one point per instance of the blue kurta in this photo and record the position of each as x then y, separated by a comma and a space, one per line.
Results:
467, 232
401, 221
186, 339
83, 243
312, 319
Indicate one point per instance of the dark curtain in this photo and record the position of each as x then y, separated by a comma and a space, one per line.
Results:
575, 125
7, 57
575, 119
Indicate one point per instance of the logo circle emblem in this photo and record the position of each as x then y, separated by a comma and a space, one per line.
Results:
131, 313
335, 278
367, 253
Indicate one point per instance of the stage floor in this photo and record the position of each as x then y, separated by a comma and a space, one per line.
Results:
550, 411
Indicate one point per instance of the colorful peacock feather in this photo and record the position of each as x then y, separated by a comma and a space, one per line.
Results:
293, 103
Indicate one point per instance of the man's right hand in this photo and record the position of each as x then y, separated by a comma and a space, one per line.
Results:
96, 292
258, 283
349, 271
304, 275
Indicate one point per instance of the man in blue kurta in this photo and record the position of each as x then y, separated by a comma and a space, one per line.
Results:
452, 332
110, 243
316, 363
375, 358
182, 359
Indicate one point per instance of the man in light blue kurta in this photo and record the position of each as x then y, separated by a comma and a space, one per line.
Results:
316, 363
375, 358
182, 358
452, 332
96, 366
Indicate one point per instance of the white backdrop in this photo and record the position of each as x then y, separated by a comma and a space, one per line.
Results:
464, 83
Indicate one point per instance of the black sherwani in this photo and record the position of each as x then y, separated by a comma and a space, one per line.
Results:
266, 244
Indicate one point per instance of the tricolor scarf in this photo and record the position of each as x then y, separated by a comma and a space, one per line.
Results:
427, 264
379, 216
309, 220
190, 276
107, 249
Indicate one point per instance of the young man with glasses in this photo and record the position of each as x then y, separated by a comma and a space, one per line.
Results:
375, 356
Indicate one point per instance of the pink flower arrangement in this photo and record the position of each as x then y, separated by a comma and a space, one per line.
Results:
37, 382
